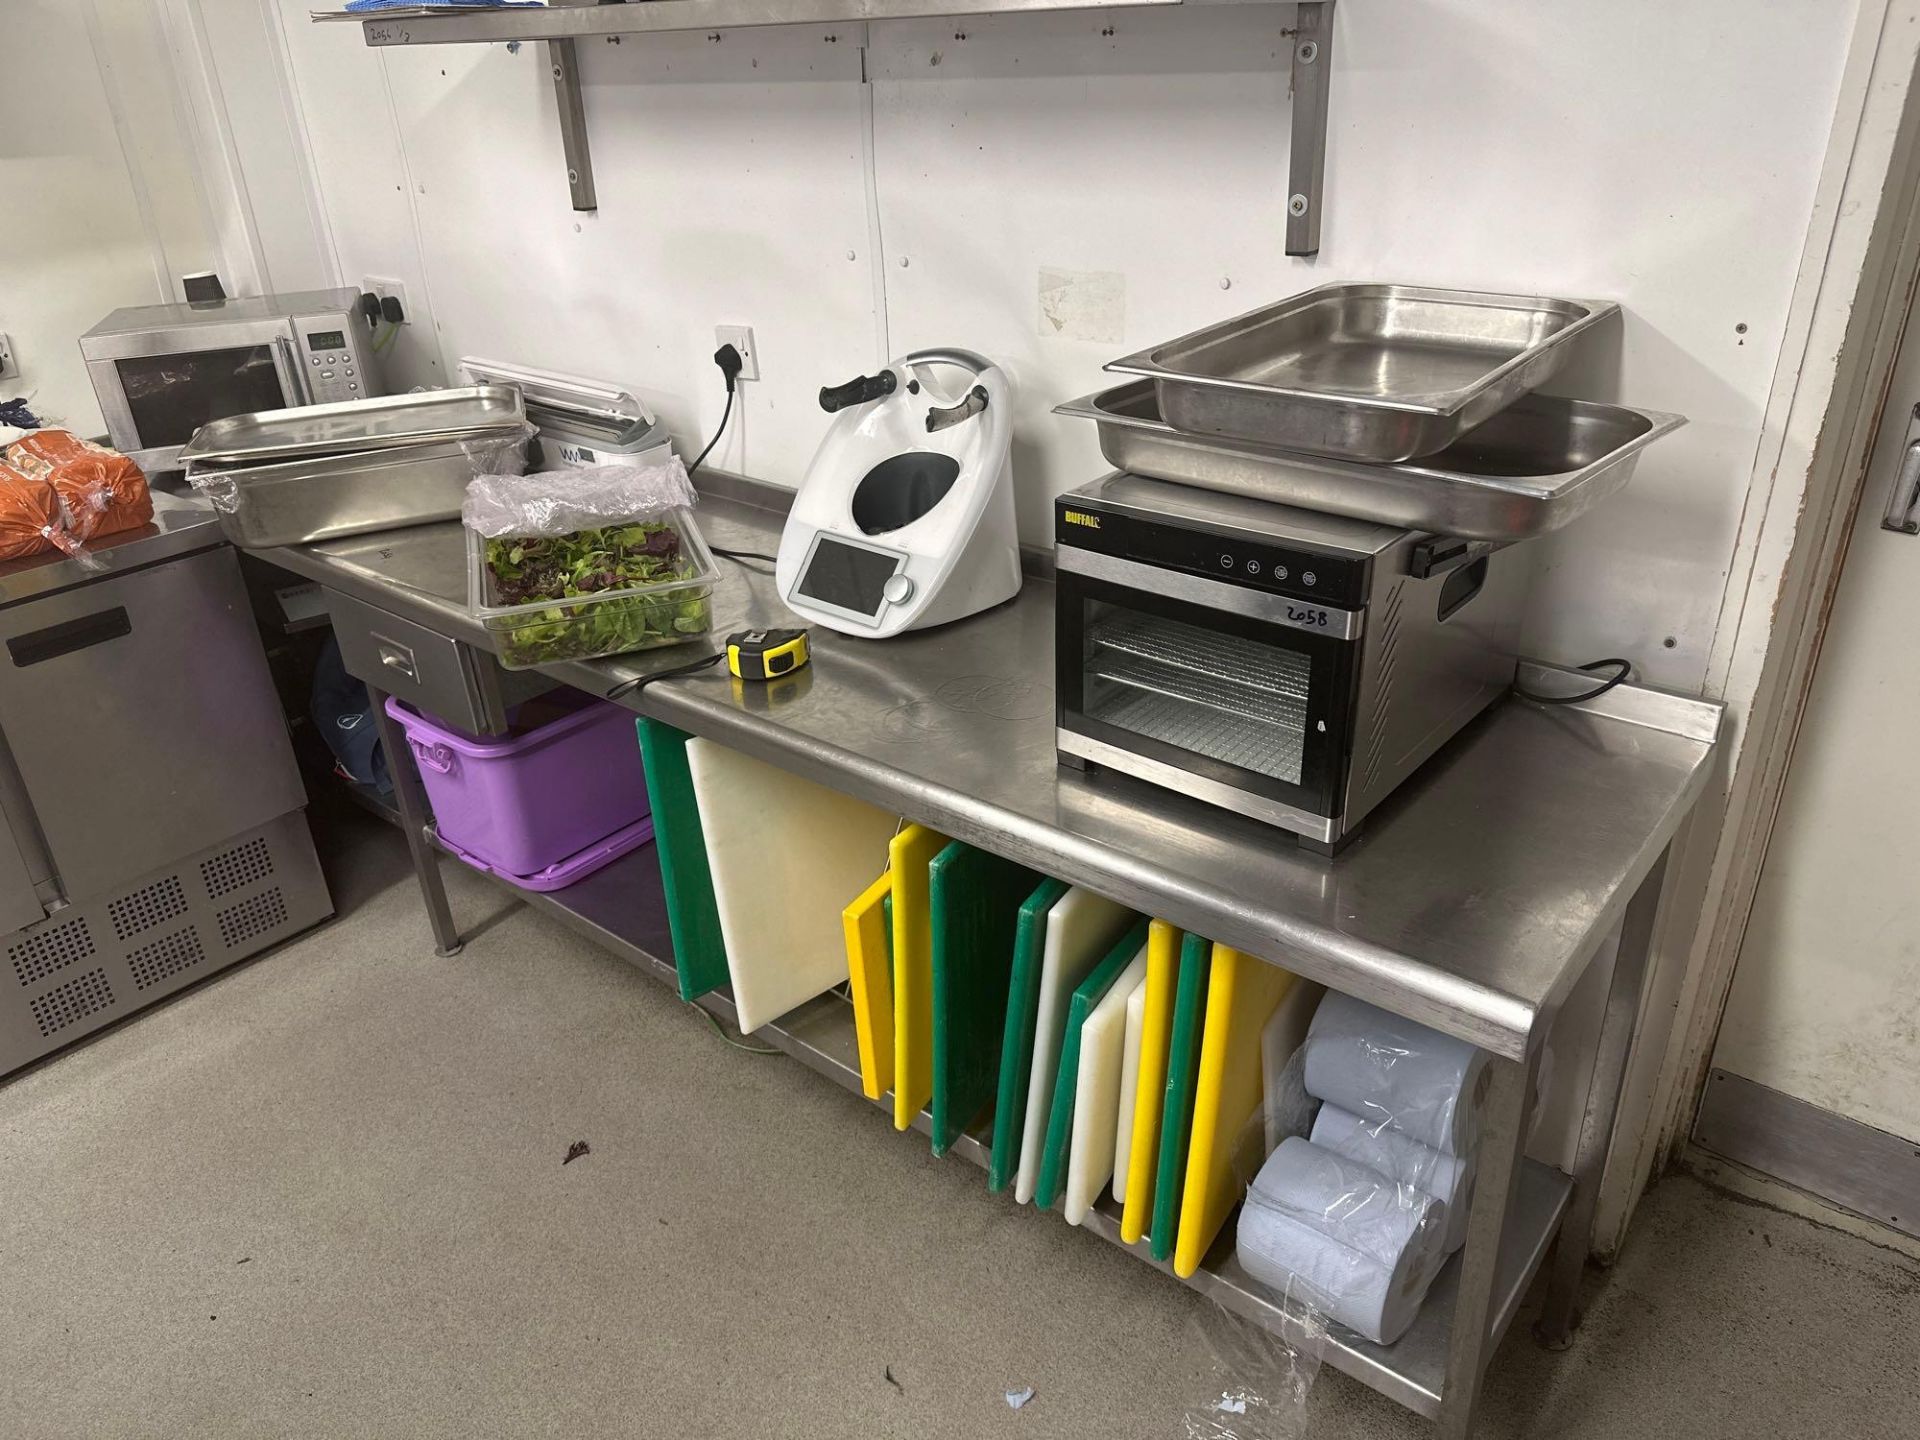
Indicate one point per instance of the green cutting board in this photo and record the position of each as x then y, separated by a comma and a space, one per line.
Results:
1016, 1045
1066, 1085
975, 899
1183, 1070
699, 951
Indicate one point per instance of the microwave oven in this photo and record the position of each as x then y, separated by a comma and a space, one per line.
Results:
160, 372
1291, 666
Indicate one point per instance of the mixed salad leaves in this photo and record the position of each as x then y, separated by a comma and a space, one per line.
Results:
577, 572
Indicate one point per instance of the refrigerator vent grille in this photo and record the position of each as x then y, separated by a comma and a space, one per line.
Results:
165, 957
147, 907
55, 948
72, 1002
253, 916
237, 868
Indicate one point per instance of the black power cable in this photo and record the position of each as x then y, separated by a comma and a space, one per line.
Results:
730, 363
640, 682
1622, 669
744, 555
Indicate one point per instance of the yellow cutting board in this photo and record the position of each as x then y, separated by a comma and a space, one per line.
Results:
1150, 1090
912, 851
1241, 997
871, 984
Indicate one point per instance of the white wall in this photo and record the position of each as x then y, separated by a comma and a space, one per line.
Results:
1660, 155
84, 231
229, 57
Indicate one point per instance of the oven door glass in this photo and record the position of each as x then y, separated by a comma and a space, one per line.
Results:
171, 396
1252, 704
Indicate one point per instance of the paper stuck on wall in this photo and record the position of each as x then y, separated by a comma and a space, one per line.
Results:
1083, 305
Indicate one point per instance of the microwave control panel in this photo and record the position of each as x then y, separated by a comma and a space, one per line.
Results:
332, 359
1258, 564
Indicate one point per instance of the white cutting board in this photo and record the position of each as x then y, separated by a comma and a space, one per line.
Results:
1096, 1099
1129, 1083
787, 856
1081, 929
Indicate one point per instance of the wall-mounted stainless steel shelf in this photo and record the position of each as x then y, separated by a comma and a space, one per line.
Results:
623, 908
425, 25
561, 25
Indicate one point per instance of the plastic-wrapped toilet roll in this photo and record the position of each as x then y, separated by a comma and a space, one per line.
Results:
1448, 1178
1289, 1109
1342, 1238
1377, 1066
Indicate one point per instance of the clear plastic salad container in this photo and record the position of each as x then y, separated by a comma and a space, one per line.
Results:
576, 607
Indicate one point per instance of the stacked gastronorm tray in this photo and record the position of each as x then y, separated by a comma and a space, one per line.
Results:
1409, 406
318, 472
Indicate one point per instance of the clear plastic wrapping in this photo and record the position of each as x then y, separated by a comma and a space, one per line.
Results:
580, 563
1260, 1370
554, 503
1394, 1072
1355, 1244
1371, 1128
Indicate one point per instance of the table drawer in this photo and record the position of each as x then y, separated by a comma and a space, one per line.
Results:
444, 677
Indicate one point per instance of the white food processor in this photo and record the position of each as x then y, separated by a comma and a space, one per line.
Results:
905, 517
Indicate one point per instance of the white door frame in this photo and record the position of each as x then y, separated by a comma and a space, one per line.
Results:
1850, 301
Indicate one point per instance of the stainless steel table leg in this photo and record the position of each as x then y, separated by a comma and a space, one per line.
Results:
1554, 1329
412, 801
1503, 1143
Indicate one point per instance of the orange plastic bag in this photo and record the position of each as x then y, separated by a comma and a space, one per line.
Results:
31, 521
58, 491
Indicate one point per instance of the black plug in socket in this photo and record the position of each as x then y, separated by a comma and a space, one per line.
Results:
391, 310
370, 307
730, 361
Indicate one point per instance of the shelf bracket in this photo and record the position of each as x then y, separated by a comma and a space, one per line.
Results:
1307, 164
565, 65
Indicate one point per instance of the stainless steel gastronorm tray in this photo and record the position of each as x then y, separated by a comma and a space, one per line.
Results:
1532, 468
323, 497
357, 425
1380, 373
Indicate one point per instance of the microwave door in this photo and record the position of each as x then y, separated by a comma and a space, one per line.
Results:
165, 398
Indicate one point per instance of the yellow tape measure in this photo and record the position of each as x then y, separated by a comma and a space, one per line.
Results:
766, 654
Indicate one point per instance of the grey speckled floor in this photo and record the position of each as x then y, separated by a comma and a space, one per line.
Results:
322, 1196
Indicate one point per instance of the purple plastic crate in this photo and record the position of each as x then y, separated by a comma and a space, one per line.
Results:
524, 804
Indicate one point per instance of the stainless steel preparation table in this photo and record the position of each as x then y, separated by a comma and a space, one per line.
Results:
1473, 901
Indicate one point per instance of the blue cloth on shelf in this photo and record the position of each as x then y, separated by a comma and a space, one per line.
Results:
359, 5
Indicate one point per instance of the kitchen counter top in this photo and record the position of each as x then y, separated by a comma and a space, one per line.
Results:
1472, 900
180, 526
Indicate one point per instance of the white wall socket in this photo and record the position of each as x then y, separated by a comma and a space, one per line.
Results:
741, 338
9, 368
384, 288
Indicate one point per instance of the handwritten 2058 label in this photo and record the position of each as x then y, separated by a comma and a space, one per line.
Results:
1310, 616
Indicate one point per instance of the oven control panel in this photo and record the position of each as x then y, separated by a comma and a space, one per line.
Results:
1259, 564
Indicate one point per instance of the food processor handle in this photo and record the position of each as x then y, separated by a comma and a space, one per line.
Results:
857, 391
965, 359
943, 419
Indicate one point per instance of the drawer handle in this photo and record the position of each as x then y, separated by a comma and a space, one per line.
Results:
395, 656
437, 758
68, 636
